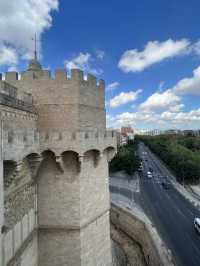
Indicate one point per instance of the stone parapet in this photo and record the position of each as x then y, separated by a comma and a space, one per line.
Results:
8, 97
16, 103
138, 227
19, 235
80, 142
60, 74
20, 143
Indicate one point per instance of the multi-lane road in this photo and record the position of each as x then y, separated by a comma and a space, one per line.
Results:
170, 212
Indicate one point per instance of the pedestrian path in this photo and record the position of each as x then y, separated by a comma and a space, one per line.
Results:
122, 181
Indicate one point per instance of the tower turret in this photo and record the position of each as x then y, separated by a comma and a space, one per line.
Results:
34, 65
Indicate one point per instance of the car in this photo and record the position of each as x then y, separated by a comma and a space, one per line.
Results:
197, 224
149, 175
165, 185
151, 169
140, 169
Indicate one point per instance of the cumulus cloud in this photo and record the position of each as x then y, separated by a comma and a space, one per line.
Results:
82, 61
176, 108
124, 97
112, 86
171, 98
154, 52
189, 85
19, 21
166, 119
8, 55
181, 117
196, 47
160, 100
100, 54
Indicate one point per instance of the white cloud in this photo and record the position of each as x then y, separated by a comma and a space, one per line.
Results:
160, 100
124, 97
8, 55
100, 54
181, 117
112, 86
176, 108
20, 20
189, 85
165, 119
83, 62
128, 118
154, 52
196, 47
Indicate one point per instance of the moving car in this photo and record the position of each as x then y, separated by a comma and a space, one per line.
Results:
151, 169
149, 175
140, 169
197, 224
165, 185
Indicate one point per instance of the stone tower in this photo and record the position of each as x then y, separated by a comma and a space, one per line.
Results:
66, 149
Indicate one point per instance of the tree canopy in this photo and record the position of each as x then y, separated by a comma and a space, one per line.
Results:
125, 159
180, 153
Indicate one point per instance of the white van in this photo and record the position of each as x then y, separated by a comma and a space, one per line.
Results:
197, 224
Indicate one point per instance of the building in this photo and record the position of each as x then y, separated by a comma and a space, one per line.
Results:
124, 135
54, 195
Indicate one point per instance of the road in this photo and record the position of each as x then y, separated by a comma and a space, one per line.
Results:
169, 211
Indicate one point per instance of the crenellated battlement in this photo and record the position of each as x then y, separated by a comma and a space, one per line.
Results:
72, 101
76, 75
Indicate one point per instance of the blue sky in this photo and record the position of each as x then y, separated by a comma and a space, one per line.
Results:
148, 52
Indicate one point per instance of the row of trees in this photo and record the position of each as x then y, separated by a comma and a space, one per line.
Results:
190, 142
181, 154
125, 159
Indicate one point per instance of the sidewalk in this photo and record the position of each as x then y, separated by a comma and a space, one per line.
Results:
194, 190
121, 180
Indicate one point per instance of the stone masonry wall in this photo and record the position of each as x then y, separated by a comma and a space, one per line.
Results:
1, 197
94, 192
59, 247
58, 194
139, 228
72, 179
95, 242
49, 95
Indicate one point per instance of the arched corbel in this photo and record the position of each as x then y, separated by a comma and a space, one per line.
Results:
18, 166
60, 163
34, 161
80, 160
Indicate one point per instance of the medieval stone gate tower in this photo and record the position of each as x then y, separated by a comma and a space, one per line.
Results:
54, 200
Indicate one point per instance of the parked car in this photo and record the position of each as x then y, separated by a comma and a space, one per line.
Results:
197, 224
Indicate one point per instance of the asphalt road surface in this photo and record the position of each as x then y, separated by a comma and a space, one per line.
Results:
169, 211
